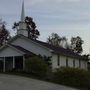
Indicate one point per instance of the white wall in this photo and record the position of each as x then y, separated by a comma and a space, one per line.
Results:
9, 52
23, 32
31, 46
54, 61
62, 61
76, 63
83, 65
70, 62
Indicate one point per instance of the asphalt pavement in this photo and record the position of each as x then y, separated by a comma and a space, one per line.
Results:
13, 82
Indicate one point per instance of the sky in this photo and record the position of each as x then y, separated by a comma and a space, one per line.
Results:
65, 17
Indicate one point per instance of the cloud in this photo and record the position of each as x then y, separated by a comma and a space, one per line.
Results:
68, 0
65, 17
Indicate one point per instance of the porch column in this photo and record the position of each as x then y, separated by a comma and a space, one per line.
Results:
13, 62
23, 62
4, 64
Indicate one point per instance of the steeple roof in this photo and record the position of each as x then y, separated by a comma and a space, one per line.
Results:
22, 12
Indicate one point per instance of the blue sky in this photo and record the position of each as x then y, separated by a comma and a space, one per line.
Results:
65, 17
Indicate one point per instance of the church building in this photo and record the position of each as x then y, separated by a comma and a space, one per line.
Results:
14, 53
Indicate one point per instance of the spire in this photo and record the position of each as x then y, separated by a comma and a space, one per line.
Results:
22, 25
22, 13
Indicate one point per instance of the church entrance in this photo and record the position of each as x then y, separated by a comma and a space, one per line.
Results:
11, 63
19, 62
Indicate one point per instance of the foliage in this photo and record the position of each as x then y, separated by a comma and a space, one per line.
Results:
76, 44
4, 33
31, 27
56, 40
36, 66
73, 77
46, 59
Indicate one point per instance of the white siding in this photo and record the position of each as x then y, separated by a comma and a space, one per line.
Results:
9, 52
62, 61
31, 46
83, 65
54, 61
70, 62
23, 32
76, 63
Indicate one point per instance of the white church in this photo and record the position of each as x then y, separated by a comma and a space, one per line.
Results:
14, 53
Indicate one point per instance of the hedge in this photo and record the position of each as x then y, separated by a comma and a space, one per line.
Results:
72, 77
36, 65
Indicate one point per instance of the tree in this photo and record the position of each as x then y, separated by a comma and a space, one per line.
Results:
64, 43
31, 27
56, 40
4, 33
76, 44
37, 66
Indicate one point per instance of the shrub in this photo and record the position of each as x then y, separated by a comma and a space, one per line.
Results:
36, 66
73, 77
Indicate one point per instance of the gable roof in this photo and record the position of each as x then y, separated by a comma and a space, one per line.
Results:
60, 50
22, 49
52, 48
24, 37
18, 49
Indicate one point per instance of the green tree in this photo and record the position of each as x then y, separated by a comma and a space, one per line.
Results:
76, 44
31, 27
4, 33
56, 40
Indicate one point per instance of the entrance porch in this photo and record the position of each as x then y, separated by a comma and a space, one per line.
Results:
12, 63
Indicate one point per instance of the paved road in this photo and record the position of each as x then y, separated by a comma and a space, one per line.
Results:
11, 82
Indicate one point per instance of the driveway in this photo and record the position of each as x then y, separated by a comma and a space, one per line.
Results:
11, 82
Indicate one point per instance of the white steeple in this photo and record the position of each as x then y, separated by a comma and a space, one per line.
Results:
22, 13
22, 25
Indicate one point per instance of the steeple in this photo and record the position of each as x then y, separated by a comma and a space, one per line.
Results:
22, 25
22, 13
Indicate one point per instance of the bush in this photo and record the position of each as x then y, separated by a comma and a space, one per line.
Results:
73, 77
36, 65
